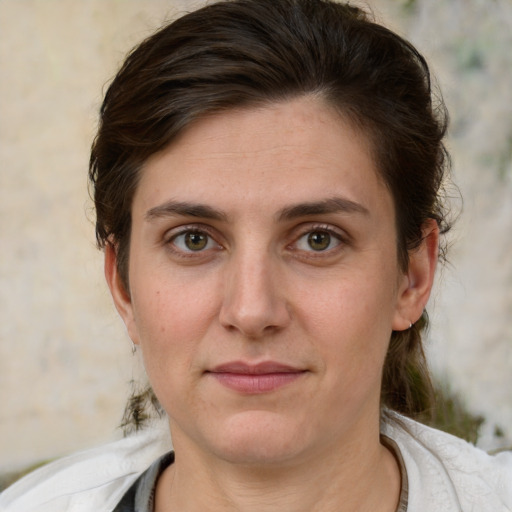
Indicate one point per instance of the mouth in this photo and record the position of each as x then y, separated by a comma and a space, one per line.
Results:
255, 379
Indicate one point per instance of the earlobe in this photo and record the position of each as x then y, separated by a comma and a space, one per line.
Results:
120, 296
417, 282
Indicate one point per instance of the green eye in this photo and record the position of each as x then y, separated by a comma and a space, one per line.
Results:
319, 240
195, 241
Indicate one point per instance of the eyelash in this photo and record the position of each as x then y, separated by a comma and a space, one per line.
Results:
170, 241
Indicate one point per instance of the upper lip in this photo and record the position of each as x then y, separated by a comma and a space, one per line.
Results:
266, 367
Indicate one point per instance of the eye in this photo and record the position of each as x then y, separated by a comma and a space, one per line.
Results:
318, 240
193, 241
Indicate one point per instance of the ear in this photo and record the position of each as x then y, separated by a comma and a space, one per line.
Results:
416, 284
120, 295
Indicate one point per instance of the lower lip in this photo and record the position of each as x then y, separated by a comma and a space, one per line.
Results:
256, 383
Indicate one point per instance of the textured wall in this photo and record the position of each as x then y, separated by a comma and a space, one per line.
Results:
65, 360
469, 43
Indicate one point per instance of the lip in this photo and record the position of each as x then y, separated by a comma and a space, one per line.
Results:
255, 379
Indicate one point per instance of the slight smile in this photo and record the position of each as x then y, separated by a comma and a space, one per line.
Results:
255, 379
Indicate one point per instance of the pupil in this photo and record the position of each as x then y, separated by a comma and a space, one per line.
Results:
319, 241
196, 241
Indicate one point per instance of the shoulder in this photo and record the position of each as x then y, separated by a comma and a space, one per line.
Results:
448, 473
92, 480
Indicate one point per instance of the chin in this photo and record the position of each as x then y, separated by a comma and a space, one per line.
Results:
260, 438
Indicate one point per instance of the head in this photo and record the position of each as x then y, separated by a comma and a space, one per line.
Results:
248, 54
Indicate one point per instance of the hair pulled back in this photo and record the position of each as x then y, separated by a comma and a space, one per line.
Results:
248, 53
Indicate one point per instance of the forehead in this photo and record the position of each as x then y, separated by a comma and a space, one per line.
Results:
285, 152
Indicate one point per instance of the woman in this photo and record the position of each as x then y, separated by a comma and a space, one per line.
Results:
267, 179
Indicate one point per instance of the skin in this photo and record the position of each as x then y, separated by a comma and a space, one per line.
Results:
293, 261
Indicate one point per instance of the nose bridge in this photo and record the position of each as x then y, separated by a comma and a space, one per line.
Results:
253, 303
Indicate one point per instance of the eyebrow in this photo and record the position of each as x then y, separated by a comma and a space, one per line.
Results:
330, 205
186, 209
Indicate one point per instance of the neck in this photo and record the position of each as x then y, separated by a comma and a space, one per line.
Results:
359, 476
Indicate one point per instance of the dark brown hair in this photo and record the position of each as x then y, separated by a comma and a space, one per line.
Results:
247, 53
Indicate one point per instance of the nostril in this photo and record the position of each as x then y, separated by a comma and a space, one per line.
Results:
254, 322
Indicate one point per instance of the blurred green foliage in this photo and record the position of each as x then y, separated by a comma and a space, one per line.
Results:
450, 415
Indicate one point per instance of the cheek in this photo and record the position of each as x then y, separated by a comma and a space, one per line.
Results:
350, 320
171, 320
171, 325
170, 305
356, 301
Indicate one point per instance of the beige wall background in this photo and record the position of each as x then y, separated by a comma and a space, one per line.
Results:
65, 360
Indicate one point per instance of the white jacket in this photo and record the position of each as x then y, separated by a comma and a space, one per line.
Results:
445, 474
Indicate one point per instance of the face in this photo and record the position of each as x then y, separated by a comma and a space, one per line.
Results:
264, 283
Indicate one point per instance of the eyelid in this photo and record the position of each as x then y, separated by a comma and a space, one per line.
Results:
308, 227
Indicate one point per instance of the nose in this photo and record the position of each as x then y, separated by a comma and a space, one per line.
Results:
254, 302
